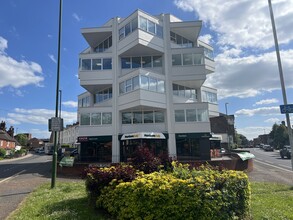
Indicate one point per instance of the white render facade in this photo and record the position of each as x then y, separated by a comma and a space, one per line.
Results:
143, 77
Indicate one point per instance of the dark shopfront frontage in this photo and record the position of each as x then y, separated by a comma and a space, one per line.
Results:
155, 142
193, 146
96, 149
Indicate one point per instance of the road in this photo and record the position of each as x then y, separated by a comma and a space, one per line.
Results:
270, 167
20, 177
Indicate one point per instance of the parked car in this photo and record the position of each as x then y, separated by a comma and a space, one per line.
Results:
285, 152
40, 151
267, 147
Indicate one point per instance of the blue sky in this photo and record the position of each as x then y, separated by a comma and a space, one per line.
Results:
240, 31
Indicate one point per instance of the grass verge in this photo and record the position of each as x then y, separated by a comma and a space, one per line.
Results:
69, 201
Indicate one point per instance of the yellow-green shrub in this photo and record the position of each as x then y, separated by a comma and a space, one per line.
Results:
213, 195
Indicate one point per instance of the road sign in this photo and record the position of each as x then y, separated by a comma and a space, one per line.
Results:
286, 108
56, 124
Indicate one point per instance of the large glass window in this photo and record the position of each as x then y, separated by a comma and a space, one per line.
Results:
127, 29
128, 85
157, 61
126, 64
135, 82
187, 59
148, 117
143, 23
126, 118
197, 59
137, 117
190, 115
96, 118
184, 91
136, 62
107, 63
121, 33
159, 31
134, 24
86, 64
153, 84
151, 27
106, 118
161, 86
146, 61
176, 60
179, 116
96, 64
202, 115
144, 82
104, 45
85, 119
122, 87
159, 117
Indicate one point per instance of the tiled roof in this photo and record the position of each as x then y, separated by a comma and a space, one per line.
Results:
5, 136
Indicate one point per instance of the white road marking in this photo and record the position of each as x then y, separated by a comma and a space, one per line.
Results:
13, 176
290, 171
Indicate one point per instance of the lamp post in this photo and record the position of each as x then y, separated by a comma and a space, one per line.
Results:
59, 133
281, 79
54, 162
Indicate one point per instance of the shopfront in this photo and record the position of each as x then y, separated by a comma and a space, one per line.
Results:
155, 142
96, 149
193, 146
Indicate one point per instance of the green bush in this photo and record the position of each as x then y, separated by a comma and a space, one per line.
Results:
2, 152
208, 194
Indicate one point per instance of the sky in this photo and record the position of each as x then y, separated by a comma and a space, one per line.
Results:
246, 76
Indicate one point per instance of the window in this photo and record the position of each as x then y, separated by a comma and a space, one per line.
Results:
128, 86
86, 64
175, 89
136, 62
96, 64
187, 59
143, 23
104, 45
161, 86
182, 41
151, 27
190, 115
159, 31
144, 82
159, 117
134, 24
157, 61
85, 119
135, 82
181, 91
179, 116
202, 115
107, 63
137, 117
146, 61
127, 29
95, 118
148, 117
176, 60
125, 62
197, 59
122, 87
153, 84
126, 118
106, 118
121, 33
103, 95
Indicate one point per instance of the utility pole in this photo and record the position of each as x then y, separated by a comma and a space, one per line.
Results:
281, 79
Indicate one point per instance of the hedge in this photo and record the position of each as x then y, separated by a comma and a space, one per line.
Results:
183, 194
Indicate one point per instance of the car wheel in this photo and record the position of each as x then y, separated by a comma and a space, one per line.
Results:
289, 156
282, 156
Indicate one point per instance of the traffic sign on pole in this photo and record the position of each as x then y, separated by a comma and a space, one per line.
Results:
286, 108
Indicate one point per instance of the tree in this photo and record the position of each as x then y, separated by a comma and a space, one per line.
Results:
241, 140
279, 135
22, 139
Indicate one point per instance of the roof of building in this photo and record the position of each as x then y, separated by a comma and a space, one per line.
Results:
5, 136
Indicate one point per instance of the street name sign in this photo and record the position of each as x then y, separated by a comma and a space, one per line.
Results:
56, 124
286, 108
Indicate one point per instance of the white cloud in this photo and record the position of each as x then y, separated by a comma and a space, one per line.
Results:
250, 75
39, 116
275, 110
253, 132
39, 133
206, 38
273, 120
17, 73
242, 28
266, 101
51, 56
244, 23
70, 104
76, 17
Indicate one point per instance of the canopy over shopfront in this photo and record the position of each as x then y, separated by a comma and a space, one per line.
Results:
143, 135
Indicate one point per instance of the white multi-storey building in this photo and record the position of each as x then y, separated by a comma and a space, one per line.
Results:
143, 77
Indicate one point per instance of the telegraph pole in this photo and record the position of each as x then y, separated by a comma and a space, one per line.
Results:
282, 80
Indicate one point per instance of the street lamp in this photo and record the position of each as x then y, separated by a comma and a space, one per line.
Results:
59, 133
54, 162
281, 79
226, 107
